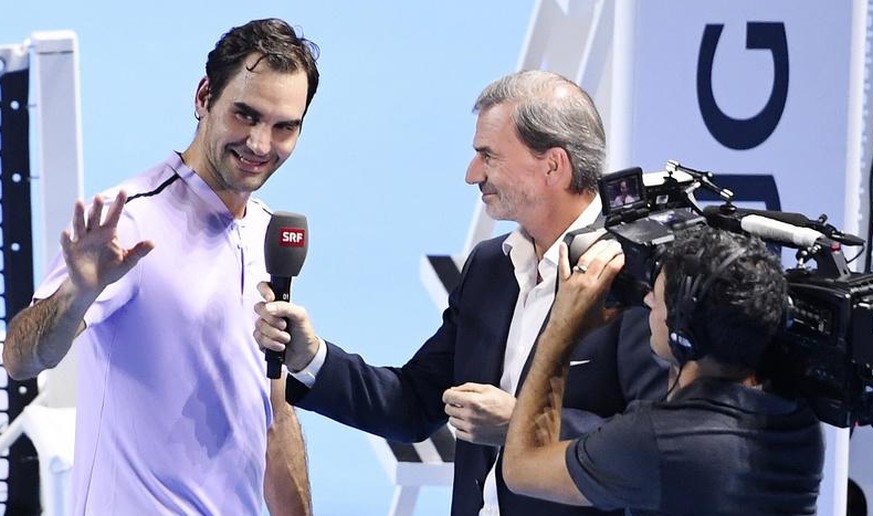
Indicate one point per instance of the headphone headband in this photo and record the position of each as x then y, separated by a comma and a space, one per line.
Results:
683, 343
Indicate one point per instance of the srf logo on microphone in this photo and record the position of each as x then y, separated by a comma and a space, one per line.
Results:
292, 237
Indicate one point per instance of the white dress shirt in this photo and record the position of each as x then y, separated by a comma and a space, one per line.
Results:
534, 301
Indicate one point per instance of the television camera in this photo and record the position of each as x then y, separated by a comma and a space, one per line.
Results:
824, 353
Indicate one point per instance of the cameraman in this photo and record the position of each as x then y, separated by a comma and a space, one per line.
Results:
721, 444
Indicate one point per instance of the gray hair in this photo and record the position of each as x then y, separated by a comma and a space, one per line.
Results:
550, 111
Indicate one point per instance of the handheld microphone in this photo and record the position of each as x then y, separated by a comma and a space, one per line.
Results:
285, 246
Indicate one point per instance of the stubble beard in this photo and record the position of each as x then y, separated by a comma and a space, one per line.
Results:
503, 207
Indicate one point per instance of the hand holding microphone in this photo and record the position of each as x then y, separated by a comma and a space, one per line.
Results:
285, 246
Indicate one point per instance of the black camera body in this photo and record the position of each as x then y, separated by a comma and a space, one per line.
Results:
825, 351
643, 223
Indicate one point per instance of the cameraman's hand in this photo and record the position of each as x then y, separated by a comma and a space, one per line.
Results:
579, 302
280, 323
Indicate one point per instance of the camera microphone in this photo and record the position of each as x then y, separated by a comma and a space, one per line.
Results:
778, 231
767, 228
285, 246
798, 219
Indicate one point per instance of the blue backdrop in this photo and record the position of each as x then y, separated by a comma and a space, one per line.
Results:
379, 169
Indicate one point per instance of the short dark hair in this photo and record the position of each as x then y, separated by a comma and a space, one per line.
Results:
544, 119
279, 46
736, 318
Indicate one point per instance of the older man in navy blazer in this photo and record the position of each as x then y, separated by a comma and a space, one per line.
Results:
539, 146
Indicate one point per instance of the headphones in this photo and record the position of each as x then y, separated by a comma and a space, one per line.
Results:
683, 343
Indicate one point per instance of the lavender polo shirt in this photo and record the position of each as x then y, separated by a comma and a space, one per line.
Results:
173, 401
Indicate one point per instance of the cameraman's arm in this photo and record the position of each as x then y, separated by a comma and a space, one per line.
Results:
534, 461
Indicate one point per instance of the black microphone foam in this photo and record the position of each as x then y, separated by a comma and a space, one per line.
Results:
285, 246
722, 218
796, 219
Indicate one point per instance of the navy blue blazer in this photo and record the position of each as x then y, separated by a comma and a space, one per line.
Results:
405, 404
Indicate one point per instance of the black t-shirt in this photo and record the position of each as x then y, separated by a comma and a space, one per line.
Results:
716, 448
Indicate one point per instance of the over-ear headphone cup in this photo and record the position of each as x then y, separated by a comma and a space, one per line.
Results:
681, 338
683, 343
682, 348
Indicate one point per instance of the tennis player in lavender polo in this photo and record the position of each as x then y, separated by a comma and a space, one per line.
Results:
155, 286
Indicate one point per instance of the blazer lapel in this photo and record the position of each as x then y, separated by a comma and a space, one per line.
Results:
495, 303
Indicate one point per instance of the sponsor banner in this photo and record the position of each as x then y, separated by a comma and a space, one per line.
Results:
744, 88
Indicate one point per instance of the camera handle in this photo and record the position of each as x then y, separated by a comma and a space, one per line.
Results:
701, 178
